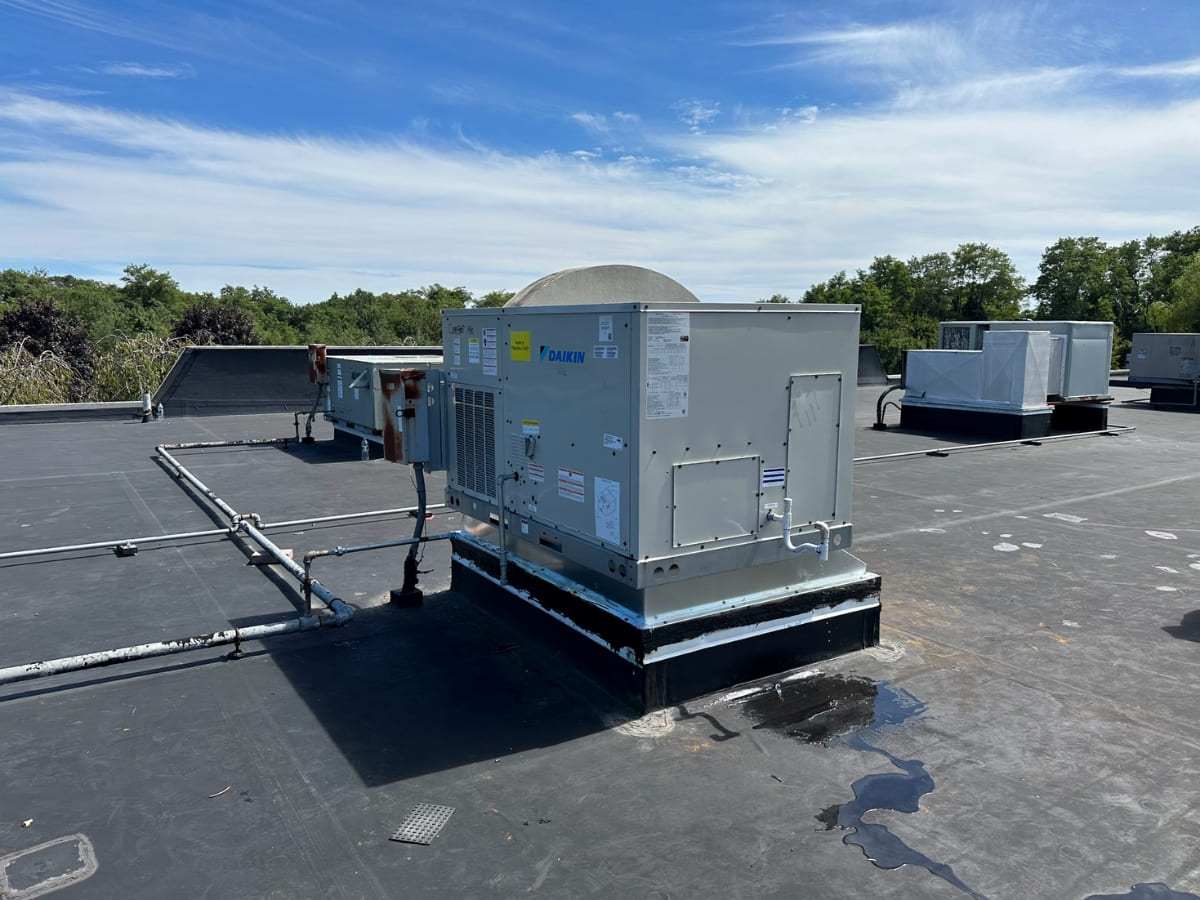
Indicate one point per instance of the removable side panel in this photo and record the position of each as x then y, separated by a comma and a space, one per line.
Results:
740, 367
715, 500
568, 421
814, 452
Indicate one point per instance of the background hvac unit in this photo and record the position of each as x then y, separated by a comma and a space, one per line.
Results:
1167, 359
359, 404
609, 429
1078, 368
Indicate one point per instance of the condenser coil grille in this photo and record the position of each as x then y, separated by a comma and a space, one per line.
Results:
475, 441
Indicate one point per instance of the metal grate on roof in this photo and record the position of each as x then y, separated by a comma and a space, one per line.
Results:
423, 823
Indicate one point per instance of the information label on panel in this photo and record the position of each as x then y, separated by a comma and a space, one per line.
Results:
489, 351
473, 351
606, 329
458, 351
519, 344
668, 362
608, 510
570, 484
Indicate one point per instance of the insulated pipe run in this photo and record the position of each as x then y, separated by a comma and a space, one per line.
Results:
234, 636
821, 549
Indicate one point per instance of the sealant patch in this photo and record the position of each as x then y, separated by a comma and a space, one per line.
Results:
932, 530
1031, 545
1167, 569
47, 867
1194, 565
1006, 547
1064, 517
1166, 589
1163, 535
654, 724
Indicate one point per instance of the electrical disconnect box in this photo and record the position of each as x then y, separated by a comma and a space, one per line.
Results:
668, 459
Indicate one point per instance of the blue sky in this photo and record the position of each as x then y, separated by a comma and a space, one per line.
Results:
743, 148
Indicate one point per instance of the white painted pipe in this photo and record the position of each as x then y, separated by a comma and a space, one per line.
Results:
63, 664
821, 549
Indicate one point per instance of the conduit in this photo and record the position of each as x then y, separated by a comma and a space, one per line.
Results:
212, 532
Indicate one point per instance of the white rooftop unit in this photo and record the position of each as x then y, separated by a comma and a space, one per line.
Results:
1079, 370
634, 453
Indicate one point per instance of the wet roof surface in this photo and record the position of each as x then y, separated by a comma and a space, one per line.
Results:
1027, 727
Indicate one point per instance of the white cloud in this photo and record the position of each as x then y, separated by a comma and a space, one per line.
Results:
733, 215
1184, 68
697, 114
592, 122
141, 70
894, 47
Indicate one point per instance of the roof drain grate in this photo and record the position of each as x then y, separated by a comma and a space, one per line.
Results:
423, 824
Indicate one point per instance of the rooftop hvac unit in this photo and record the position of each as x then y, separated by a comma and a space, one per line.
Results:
1086, 355
1164, 359
1167, 364
371, 397
670, 480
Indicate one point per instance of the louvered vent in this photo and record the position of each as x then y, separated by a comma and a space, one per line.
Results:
475, 440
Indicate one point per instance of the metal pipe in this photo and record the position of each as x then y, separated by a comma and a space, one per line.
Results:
195, 482
312, 555
235, 636
212, 532
348, 516
821, 549
246, 442
342, 613
1114, 430
105, 545
503, 532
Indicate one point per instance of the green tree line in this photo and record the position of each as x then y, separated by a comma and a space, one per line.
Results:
1140, 285
66, 339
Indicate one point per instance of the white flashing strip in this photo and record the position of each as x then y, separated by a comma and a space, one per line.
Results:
764, 596
670, 651
559, 581
729, 635
626, 653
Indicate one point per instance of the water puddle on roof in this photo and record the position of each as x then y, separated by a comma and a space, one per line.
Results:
1148, 891
846, 711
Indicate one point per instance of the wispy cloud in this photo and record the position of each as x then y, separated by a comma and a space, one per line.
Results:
1184, 68
895, 49
600, 124
141, 70
697, 114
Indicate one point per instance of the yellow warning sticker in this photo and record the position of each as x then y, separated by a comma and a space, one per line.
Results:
519, 345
